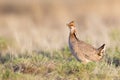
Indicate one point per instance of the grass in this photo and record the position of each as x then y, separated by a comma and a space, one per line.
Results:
56, 65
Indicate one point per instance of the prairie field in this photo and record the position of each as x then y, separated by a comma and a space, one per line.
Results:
34, 39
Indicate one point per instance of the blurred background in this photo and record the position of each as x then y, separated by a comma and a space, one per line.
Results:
41, 24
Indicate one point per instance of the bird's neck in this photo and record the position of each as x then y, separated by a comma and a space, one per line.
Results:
73, 36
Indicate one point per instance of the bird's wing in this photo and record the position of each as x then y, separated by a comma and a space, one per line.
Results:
86, 49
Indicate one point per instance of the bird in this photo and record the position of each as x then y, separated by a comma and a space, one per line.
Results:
81, 50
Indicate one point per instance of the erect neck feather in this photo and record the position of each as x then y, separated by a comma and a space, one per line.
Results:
73, 35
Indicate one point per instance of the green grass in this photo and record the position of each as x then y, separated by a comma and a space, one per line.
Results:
56, 65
